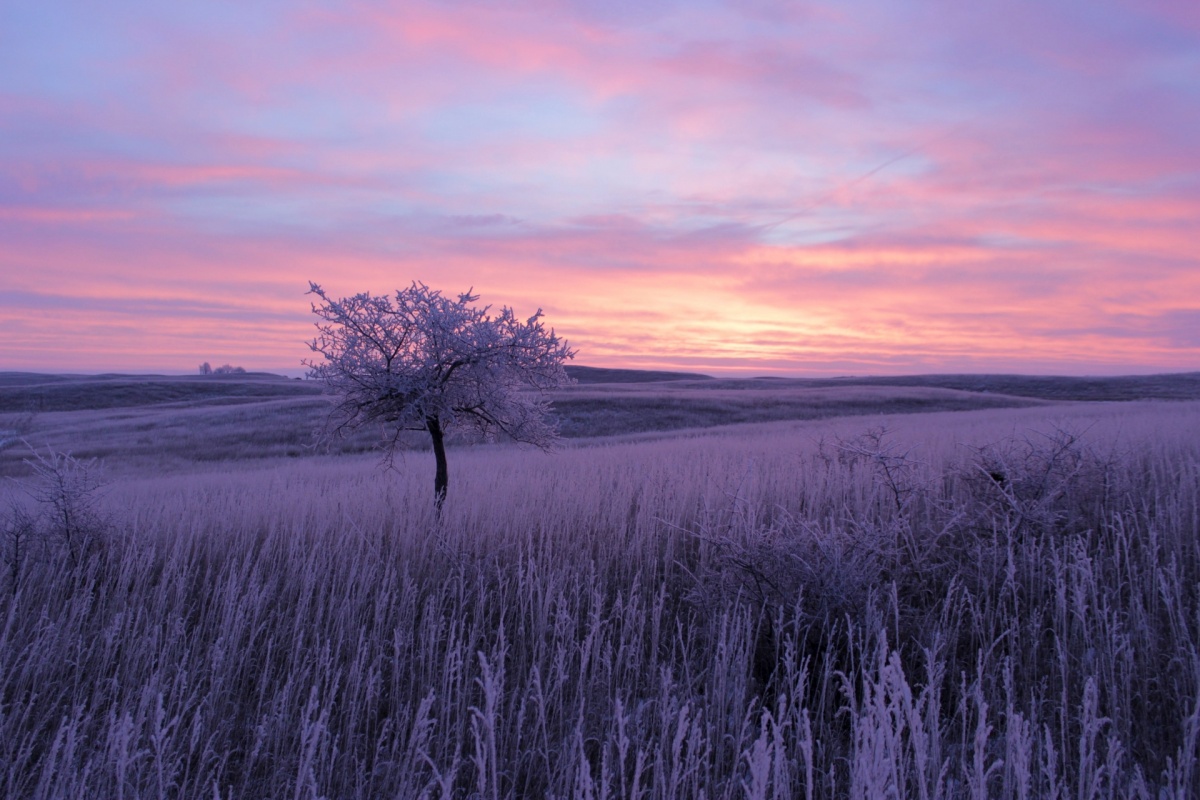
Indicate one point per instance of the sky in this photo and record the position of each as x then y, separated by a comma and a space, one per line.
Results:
747, 187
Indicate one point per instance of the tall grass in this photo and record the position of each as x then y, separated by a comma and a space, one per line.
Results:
991, 604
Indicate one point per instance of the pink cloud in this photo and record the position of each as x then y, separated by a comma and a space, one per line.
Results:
59, 216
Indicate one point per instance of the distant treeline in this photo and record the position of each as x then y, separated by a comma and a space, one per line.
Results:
224, 369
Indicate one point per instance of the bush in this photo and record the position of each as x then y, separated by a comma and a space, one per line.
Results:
18, 537
61, 516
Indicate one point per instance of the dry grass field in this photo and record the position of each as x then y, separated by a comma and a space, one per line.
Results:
159, 422
989, 600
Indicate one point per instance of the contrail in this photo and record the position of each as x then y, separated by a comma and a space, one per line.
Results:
850, 184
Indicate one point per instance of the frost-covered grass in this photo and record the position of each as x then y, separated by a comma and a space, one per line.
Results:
143, 423
981, 604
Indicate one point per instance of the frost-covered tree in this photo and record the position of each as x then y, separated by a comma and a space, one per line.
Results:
423, 361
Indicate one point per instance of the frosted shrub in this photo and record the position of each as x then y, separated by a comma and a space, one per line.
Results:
1042, 483
19, 542
66, 516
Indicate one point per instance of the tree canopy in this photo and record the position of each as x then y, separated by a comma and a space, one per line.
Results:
419, 360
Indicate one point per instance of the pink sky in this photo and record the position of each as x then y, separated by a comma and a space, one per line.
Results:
743, 187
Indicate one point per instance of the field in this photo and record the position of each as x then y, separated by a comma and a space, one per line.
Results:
158, 422
712, 589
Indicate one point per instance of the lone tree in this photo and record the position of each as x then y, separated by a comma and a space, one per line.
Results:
421, 361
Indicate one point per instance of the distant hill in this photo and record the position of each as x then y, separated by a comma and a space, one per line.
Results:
25, 392
144, 419
605, 375
1174, 386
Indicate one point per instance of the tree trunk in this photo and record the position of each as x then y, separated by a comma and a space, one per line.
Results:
441, 478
